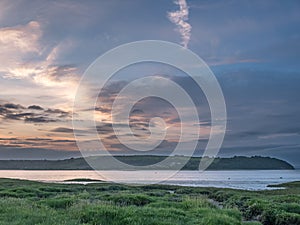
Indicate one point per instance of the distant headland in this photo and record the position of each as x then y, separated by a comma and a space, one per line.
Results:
234, 163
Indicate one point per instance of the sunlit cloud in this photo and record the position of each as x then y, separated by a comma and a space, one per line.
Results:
38, 142
23, 57
180, 18
17, 44
21, 38
22, 54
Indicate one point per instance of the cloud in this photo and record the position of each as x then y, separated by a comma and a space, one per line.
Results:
17, 45
142, 113
15, 152
18, 116
35, 142
59, 112
39, 119
55, 75
45, 74
62, 130
32, 113
35, 107
21, 38
12, 106
261, 105
180, 18
25, 56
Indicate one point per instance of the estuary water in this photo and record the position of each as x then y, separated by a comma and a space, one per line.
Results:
236, 179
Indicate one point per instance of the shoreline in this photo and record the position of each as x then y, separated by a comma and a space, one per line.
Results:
240, 180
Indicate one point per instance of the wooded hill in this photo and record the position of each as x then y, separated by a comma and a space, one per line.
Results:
234, 163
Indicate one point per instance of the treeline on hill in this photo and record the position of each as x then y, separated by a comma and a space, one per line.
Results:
234, 163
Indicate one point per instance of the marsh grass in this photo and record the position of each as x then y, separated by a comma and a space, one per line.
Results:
27, 202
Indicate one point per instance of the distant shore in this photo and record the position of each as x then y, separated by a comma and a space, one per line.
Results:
234, 163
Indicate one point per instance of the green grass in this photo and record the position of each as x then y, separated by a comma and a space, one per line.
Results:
26, 202
295, 184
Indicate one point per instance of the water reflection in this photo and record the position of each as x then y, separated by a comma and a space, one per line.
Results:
244, 179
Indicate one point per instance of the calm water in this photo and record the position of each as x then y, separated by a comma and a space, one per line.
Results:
242, 179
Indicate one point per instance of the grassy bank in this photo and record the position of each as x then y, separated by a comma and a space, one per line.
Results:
27, 202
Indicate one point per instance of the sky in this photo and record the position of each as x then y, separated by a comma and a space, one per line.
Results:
253, 48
